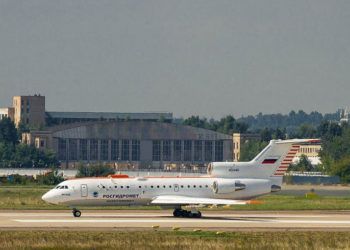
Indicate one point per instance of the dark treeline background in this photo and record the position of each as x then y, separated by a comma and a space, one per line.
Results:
289, 123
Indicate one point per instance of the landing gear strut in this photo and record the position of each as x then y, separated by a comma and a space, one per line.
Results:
186, 214
76, 212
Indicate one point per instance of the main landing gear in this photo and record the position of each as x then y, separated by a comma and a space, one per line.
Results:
187, 214
76, 212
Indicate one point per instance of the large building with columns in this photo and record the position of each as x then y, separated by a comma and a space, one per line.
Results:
140, 144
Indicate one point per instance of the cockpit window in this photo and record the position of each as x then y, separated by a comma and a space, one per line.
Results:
58, 187
62, 187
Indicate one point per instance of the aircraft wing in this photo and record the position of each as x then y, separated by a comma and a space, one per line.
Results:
186, 200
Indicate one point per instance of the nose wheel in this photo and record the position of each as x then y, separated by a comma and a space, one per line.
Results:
187, 214
76, 213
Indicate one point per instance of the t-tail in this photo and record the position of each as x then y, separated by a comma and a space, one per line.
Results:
271, 163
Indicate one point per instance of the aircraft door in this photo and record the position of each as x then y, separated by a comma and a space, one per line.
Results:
84, 190
176, 187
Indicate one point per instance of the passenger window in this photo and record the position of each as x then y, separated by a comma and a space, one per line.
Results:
188, 186
151, 186
182, 186
206, 186
121, 186
200, 186
139, 186
194, 186
164, 186
157, 186
115, 186
127, 186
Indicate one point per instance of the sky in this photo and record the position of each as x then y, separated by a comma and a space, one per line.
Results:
190, 57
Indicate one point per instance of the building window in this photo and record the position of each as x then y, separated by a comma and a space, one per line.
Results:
62, 149
187, 150
135, 150
177, 150
115, 150
125, 150
208, 150
156, 151
73, 149
167, 150
83, 150
198, 150
104, 150
219, 150
93, 150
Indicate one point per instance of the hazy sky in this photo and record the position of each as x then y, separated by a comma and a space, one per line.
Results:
204, 57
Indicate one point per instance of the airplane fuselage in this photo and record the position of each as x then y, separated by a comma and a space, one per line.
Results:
141, 190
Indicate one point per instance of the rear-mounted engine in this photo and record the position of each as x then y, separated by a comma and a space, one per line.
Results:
227, 186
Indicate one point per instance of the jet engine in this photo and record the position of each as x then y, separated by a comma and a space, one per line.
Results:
222, 186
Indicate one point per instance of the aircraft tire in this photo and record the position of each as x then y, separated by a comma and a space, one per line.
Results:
76, 213
177, 213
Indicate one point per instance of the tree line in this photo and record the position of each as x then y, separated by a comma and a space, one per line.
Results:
14, 154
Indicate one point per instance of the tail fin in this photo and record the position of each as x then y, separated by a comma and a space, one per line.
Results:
271, 163
276, 157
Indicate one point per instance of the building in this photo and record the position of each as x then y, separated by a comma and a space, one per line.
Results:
30, 110
344, 115
238, 140
7, 112
137, 144
311, 151
56, 118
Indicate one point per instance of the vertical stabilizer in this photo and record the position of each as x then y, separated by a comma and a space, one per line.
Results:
276, 157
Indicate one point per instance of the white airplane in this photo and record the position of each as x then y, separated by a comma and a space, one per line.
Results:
227, 183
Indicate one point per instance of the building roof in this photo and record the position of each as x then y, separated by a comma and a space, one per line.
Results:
110, 115
138, 130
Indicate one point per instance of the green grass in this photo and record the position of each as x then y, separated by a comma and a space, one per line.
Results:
29, 197
173, 240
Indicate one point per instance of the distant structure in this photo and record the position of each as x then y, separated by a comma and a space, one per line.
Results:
238, 140
7, 112
344, 115
133, 144
311, 152
123, 140
30, 111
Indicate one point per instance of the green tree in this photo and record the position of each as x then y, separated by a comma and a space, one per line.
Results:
251, 148
342, 169
266, 135
51, 178
8, 131
304, 165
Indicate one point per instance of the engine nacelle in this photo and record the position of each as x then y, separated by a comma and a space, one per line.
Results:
222, 186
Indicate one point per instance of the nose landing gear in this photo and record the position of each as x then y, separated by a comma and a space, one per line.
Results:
187, 214
76, 212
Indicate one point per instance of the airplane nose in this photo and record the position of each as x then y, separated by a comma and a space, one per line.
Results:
49, 198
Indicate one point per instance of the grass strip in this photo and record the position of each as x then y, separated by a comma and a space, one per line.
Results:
173, 240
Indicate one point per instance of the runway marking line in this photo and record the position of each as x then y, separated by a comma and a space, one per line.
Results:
180, 221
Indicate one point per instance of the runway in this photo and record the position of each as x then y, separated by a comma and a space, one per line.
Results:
143, 219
